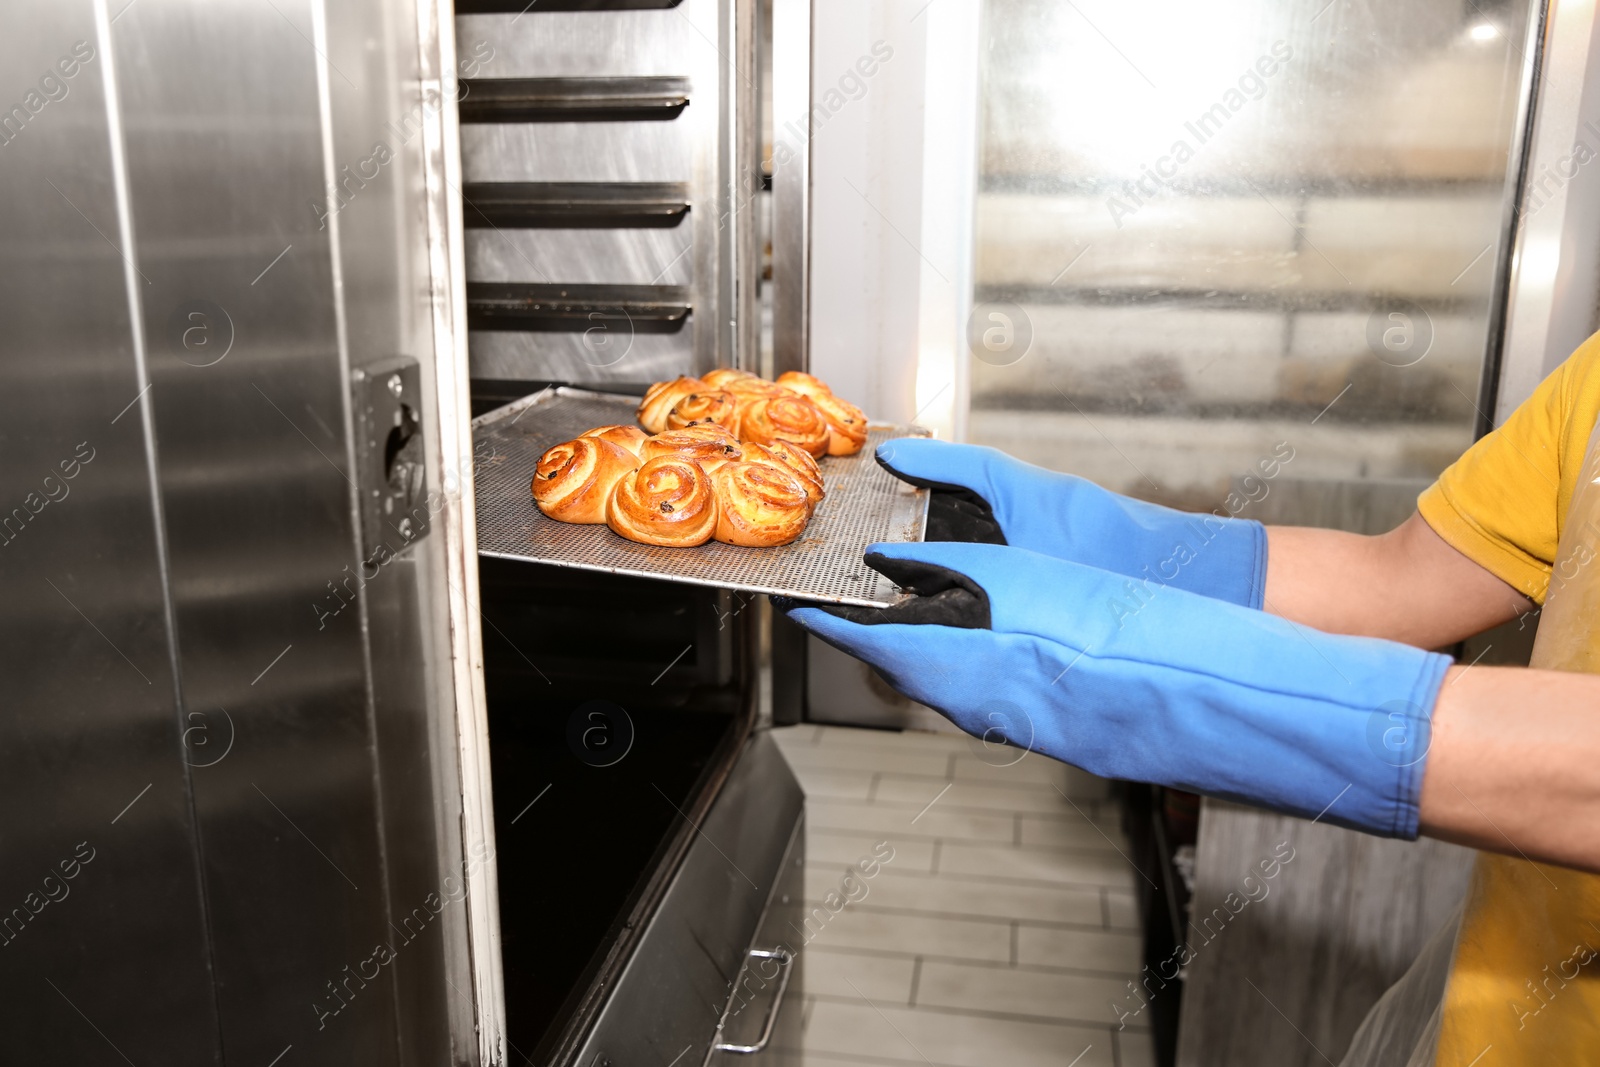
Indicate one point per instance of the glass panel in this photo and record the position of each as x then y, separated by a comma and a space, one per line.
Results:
1208, 239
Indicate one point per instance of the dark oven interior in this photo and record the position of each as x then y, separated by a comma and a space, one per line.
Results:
598, 251
615, 706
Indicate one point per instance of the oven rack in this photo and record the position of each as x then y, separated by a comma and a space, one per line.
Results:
864, 505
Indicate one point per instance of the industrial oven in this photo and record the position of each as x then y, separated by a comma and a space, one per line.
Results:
291, 775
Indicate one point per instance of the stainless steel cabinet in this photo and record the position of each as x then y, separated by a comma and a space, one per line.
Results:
232, 755
247, 734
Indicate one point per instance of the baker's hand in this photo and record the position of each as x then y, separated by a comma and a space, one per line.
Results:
1176, 689
984, 495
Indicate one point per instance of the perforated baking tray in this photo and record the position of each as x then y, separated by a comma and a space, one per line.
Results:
864, 505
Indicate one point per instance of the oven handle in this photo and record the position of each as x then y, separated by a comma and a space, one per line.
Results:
787, 964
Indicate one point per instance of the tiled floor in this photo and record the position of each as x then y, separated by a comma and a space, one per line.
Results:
998, 935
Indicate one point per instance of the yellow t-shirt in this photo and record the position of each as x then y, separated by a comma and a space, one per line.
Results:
1524, 985
1504, 503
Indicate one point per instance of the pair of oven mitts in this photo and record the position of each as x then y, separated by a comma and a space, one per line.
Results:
1127, 639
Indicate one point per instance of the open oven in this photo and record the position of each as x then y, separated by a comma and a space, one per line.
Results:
645, 832
648, 835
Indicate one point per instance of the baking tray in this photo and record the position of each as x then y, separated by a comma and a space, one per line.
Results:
864, 504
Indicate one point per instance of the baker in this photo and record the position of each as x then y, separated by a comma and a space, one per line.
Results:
1289, 668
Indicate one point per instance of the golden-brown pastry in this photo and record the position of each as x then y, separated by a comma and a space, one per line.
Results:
719, 378
669, 501
706, 405
746, 391
629, 437
803, 462
759, 504
709, 444
659, 399
712, 429
804, 383
847, 424
574, 479
794, 460
790, 417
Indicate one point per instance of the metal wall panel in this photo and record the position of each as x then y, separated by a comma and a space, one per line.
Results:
579, 152
712, 146
564, 357
582, 257
586, 44
100, 888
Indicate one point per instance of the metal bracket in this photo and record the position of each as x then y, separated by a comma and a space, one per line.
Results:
391, 473
575, 205
546, 308
648, 99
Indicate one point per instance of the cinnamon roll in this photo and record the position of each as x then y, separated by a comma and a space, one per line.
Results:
719, 378
705, 406
629, 437
708, 444
712, 430
659, 399
746, 391
669, 501
804, 383
759, 504
794, 460
803, 462
574, 479
750, 385
790, 417
847, 424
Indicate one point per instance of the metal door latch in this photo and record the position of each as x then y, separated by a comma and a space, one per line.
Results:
785, 960
392, 476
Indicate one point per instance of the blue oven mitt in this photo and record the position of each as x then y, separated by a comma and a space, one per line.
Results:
984, 495
1171, 688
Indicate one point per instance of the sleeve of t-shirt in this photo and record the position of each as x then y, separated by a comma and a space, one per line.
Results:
1499, 504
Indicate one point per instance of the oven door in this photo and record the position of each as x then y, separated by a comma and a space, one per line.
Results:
722, 935
248, 739
642, 819
246, 806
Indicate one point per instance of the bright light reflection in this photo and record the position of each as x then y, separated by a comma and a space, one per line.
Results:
1108, 61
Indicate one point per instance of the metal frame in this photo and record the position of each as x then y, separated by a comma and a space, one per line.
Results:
1551, 271
791, 185
473, 946
950, 166
740, 144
